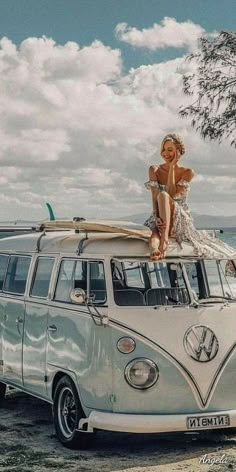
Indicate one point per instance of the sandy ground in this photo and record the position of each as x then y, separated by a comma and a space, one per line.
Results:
28, 444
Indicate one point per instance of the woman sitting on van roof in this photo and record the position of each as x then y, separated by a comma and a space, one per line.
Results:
171, 217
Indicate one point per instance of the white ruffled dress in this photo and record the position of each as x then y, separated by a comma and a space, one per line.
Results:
183, 227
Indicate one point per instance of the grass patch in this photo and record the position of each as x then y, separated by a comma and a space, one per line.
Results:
4, 428
18, 457
5, 448
18, 460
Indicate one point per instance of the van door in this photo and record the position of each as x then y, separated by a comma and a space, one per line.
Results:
13, 311
3, 266
76, 342
35, 332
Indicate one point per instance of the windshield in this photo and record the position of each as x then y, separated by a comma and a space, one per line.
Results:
148, 283
211, 279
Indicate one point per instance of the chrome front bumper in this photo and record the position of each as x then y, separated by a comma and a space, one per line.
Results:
149, 423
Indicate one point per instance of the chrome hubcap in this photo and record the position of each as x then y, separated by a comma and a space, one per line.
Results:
67, 412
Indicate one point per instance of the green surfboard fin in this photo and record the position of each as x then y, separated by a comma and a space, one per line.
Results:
51, 214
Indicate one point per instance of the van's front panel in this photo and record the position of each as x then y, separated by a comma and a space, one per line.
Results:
165, 337
187, 338
158, 398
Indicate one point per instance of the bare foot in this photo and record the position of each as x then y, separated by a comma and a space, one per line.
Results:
155, 255
154, 243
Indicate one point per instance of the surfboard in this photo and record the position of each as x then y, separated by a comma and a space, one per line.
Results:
126, 228
50, 211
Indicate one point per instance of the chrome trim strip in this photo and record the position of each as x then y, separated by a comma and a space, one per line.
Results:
25, 390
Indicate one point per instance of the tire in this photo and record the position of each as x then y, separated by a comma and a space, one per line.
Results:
3, 388
67, 412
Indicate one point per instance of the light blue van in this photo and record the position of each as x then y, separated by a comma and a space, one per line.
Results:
116, 342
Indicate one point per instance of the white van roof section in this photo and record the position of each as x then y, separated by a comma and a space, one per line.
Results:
89, 243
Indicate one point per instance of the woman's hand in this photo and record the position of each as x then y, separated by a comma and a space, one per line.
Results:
175, 159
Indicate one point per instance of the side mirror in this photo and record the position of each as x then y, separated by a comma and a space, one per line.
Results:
78, 295
174, 267
230, 269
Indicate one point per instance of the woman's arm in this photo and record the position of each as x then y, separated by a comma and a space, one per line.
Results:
182, 185
171, 185
153, 176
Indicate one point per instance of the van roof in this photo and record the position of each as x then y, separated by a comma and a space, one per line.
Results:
89, 243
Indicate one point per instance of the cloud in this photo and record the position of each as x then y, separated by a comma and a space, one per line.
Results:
169, 33
79, 132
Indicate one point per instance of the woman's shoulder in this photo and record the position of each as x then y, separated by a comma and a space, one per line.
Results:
186, 173
153, 172
154, 167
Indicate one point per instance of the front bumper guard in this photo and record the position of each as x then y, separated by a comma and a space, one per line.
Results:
134, 423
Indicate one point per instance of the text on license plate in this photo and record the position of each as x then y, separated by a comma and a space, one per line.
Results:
214, 421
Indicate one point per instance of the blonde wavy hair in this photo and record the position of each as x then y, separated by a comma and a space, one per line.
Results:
175, 139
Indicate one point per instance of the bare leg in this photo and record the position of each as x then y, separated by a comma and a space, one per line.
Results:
154, 243
154, 240
166, 206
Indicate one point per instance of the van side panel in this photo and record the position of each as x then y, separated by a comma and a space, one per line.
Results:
12, 338
82, 348
1, 335
34, 347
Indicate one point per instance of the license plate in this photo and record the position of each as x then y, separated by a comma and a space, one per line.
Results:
208, 422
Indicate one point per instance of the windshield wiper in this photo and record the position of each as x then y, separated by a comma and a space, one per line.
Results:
215, 299
223, 297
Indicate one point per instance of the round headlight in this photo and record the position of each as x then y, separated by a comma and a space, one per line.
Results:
141, 373
126, 345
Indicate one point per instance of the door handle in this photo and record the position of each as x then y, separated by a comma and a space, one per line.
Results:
52, 328
18, 322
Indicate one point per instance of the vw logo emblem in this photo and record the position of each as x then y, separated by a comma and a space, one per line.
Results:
201, 343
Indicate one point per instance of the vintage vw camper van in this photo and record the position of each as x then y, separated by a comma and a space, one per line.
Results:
114, 341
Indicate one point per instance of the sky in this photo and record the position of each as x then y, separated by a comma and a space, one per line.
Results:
88, 89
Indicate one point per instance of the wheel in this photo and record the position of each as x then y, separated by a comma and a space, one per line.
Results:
67, 412
2, 393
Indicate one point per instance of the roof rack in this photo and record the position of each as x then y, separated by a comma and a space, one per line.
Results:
18, 229
28, 229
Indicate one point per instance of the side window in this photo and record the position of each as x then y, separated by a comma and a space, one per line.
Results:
134, 276
17, 273
214, 278
74, 274
228, 277
42, 277
165, 275
81, 268
3, 267
97, 282
65, 281
191, 269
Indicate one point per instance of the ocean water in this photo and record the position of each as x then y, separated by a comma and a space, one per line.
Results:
228, 236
